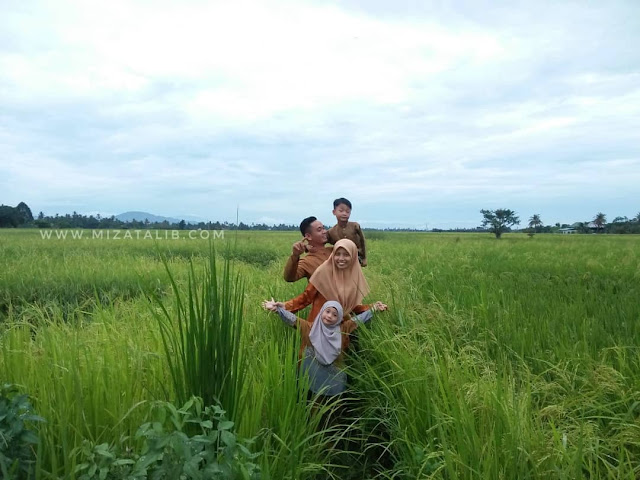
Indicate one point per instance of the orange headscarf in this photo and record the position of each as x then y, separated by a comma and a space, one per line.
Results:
347, 286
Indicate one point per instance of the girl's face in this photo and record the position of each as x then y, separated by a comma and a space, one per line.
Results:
342, 258
329, 316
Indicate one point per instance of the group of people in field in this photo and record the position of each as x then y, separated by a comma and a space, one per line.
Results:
335, 290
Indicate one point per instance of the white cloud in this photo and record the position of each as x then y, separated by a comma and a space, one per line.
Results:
214, 104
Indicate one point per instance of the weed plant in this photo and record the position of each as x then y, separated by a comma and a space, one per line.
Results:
201, 336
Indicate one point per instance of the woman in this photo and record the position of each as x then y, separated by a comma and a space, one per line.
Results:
340, 279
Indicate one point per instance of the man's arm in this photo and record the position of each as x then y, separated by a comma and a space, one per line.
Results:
293, 271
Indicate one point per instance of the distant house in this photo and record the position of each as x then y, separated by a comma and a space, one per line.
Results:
594, 227
567, 230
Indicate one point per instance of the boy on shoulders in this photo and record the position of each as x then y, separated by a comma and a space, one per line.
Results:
346, 229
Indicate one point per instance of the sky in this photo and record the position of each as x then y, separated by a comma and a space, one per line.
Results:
419, 112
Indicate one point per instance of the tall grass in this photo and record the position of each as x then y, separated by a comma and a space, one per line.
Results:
201, 336
509, 359
89, 378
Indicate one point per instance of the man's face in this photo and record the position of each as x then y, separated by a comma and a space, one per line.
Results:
316, 233
342, 213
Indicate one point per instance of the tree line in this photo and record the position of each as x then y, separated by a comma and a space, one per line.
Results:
21, 216
501, 220
496, 221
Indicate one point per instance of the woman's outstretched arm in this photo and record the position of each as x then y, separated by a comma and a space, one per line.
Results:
301, 301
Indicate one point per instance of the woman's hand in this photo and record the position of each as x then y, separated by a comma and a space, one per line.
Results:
272, 305
379, 307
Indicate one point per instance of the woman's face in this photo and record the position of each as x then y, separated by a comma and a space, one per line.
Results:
329, 316
342, 258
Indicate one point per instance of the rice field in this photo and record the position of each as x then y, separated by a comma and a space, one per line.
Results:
510, 359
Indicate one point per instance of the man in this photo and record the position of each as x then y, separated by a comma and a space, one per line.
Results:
315, 236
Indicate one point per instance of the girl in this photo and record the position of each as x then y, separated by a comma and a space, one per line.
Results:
324, 341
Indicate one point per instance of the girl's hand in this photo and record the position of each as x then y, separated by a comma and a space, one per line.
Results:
272, 305
379, 307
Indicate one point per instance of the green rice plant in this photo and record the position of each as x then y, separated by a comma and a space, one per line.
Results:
71, 273
376, 235
511, 359
90, 377
253, 254
449, 410
202, 334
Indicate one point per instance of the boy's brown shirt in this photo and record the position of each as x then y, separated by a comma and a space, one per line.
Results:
353, 232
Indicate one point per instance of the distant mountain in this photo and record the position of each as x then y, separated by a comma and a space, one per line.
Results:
142, 216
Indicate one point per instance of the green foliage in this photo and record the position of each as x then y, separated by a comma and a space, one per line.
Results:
630, 226
535, 222
195, 442
499, 220
24, 213
600, 220
9, 217
201, 335
17, 440
17, 216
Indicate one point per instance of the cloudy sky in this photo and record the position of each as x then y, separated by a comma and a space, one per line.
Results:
420, 112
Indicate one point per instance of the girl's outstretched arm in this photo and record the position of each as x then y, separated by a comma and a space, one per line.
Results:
271, 305
287, 317
376, 307
278, 307
379, 307
365, 316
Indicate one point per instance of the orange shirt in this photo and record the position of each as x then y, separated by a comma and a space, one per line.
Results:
311, 296
297, 268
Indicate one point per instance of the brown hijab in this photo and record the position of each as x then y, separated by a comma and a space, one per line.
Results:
347, 286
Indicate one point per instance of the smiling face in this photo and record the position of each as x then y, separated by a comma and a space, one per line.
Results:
329, 316
341, 258
316, 233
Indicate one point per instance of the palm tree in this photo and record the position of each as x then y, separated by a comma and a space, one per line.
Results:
638, 217
535, 222
600, 220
